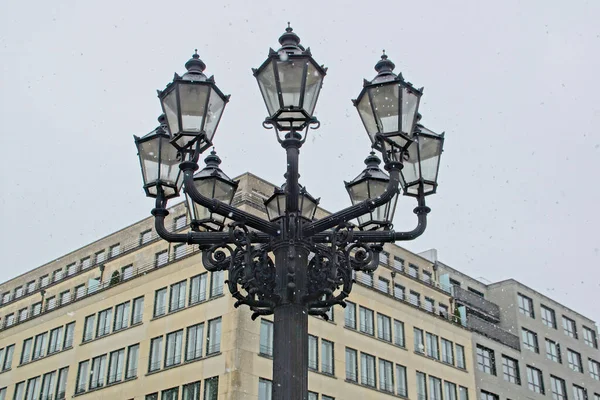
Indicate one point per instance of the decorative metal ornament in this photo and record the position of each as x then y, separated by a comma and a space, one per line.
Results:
193, 105
290, 81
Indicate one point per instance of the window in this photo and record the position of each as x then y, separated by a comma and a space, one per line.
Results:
553, 351
56, 336
460, 357
414, 298
19, 391
449, 391
160, 302
594, 367
429, 304
51, 303
447, 351
33, 388
9, 351
366, 278
398, 291
435, 388
313, 356
559, 389
327, 365
36, 309
47, 385
138, 310
23, 314
579, 393
193, 344
413, 270
152, 396
569, 327
155, 360
180, 250
325, 397
386, 376
161, 258
421, 386
399, 333
179, 222
351, 365
104, 320
10, 319
57, 275
574, 360
198, 288
116, 363
170, 394
475, 291
191, 391
65, 297
486, 361
100, 257
30, 286
145, 237
173, 349
488, 396
177, 296
98, 372
530, 340
121, 316
463, 393
384, 327
367, 370
398, 264
350, 315
126, 272
265, 389
86, 263
115, 250
79, 291
443, 310
418, 340
384, 257
25, 353
88, 328
3, 393
535, 381
589, 337
366, 320
266, 338
71, 269
213, 340
313, 396
69, 335
401, 386
216, 283
548, 316
383, 285
432, 346
510, 369
40, 345
61, 383
132, 361
426, 276
211, 387
525, 305
6, 298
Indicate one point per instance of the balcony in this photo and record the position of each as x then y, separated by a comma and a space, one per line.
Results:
478, 303
493, 331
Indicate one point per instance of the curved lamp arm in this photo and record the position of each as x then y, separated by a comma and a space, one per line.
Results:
223, 209
359, 209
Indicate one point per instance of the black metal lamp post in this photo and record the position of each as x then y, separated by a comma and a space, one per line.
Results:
292, 264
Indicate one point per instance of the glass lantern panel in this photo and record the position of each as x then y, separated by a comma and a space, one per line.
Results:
314, 80
169, 162
268, 88
281, 204
192, 99
272, 211
366, 114
410, 102
149, 156
385, 103
359, 192
308, 207
376, 188
224, 191
169, 104
216, 105
291, 75
410, 171
380, 213
430, 150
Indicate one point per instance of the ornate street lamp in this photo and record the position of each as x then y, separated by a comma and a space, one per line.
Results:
370, 184
388, 107
211, 182
290, 81
193, 105
160, 162
290, 264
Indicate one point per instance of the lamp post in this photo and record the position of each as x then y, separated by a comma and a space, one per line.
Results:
290, 265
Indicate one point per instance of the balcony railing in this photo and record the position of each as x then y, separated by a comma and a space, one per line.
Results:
493, 331
477, 302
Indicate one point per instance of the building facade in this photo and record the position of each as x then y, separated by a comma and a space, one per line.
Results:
133, 317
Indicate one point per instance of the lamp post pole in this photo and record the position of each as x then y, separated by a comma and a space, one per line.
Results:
290, 265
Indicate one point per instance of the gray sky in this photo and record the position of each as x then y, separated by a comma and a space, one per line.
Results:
514, 84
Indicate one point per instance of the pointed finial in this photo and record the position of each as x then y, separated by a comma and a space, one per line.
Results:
372, 160
195, 64
212, 159
289, 40
384, 66
289, 27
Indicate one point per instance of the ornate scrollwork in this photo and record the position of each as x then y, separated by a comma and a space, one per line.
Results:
216, 257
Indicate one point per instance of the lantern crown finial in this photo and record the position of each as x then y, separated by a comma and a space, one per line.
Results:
212, 160
289, 40
372, 161
195, 65
384, 66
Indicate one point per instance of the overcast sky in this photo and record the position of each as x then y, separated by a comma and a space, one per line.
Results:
514, 84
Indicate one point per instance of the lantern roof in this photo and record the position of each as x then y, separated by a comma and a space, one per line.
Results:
212, 168
372, 171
